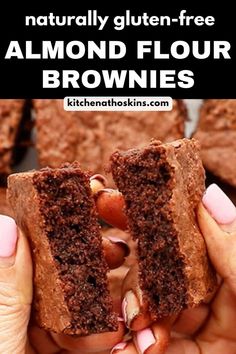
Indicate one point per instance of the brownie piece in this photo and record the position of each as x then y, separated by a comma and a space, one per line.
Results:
162, 185
216, 132
90, 137
4, 207
11, 115
56, 210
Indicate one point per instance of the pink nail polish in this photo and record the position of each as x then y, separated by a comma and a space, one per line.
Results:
119, 346
145, 339
100, 178
120, 319
219, 205
115, 240
8, 236
124, 308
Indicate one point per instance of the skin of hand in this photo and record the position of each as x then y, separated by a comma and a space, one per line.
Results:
207, 329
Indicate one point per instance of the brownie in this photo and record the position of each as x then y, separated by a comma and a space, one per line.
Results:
4, 207
162, 185
90, 137
216, 132
56, 210
11, 115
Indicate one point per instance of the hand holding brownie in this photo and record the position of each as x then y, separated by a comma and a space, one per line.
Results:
16, 296
206, 329
177, 281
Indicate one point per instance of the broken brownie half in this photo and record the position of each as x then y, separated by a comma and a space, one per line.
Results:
162, 186
56, 211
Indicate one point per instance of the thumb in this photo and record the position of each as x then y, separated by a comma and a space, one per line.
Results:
15, 287
217, 221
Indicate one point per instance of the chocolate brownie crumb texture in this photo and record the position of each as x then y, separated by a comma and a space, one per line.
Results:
55, 209
162, 185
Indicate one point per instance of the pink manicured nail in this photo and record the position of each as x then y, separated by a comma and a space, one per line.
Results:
117, 240
119, 346
8, 236
124, 308
145, 339
219, 205
120, 319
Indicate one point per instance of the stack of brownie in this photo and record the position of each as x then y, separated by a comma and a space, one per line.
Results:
90, 137
216, 133
13, 124
11, 115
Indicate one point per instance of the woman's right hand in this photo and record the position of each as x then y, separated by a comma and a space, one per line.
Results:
207, 329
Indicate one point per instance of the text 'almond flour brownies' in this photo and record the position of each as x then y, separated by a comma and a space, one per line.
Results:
56, 211
91, 137
162, 185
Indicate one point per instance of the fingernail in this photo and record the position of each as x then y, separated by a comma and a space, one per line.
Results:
130, 308
121, 242
123, 308
145, 339
8, 236
107, 190
119, 346
100, 178
97, 182
219, 205
120, 319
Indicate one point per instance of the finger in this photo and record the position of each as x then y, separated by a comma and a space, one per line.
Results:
115, 281
110, 207
97, 182
183, 346
116, 250
41, 341
15, 287
221, 244
191, 320
153, 340
92, 343
220, 207
134, 308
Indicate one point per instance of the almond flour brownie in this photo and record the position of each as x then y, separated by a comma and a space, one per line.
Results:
4, 207
56, 210
216, 132
162, 185
90, 137
11, 115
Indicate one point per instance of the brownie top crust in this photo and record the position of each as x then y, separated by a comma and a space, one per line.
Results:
216, 131
11, 113
92, 136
